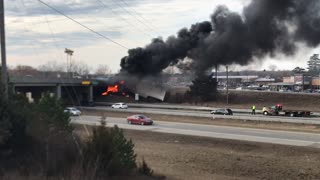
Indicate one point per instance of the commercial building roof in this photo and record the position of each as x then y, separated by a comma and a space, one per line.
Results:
236, 77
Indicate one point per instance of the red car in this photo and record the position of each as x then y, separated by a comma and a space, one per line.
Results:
139, 119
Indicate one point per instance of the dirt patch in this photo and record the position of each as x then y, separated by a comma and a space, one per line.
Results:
219, 122
189, 157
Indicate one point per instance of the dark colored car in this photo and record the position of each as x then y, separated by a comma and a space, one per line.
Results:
139, 119
224, 111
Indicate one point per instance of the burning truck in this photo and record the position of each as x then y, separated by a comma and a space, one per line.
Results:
144, 88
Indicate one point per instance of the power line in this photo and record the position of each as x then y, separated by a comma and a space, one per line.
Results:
128, 22
53, 35
32, 27
133, 16
138, 14
93, 31
42, 22
110, 28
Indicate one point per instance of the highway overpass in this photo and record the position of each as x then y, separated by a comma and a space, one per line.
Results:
72, 90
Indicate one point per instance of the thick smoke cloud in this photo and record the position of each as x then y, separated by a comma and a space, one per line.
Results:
159, 54
265, 27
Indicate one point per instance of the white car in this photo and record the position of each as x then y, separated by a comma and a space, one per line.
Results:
72, 111
119, 106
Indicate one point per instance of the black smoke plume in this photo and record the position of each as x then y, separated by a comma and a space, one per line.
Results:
265, 27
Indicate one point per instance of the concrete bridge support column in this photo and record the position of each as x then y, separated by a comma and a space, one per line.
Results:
58, 93
90, 94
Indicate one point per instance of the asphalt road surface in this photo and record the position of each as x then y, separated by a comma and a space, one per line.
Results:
236, 133
197, 113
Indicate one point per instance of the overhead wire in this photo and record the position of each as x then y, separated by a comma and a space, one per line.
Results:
61, 80
131, 14
33, 46
15, 23
124, 19
53, 37
34, 25
138, 14
72, 93
110, 28
79, 23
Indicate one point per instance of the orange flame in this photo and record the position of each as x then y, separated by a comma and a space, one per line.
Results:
111, 89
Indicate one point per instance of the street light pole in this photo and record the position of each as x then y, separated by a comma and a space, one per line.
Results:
69, 53
4, 75
227, 84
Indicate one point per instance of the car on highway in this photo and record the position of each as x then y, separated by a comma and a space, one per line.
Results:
119, 106
223, 111
72, 111
139, 119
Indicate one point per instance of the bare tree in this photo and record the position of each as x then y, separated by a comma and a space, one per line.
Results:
102, 70
80, 68
52, 66
22, 70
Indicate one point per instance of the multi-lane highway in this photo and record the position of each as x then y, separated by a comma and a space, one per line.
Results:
245, 134
206, 113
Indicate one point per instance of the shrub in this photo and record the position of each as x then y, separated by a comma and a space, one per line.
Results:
52, 112
35, 137
109, 153
14, 115
145, 169
51, 128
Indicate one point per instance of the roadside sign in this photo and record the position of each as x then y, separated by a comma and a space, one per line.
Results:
86, 82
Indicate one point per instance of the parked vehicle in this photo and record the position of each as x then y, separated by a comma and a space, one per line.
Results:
119, 106
72, 111
224, 111
139, 119
317, 91
277, 110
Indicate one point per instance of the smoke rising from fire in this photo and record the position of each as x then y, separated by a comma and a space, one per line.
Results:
265, 27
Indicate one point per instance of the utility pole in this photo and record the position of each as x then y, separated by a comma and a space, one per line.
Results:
4, 75
227, 84
216, 75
